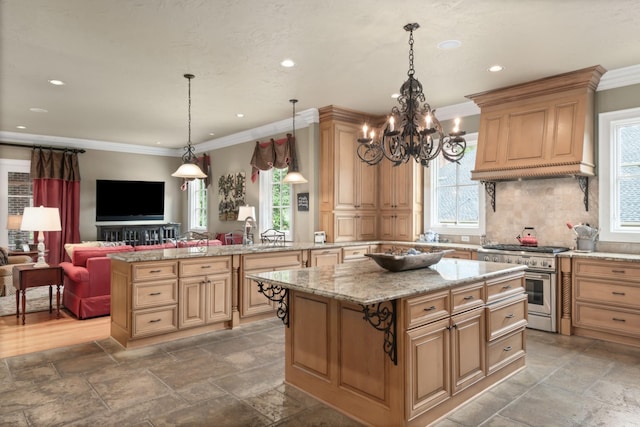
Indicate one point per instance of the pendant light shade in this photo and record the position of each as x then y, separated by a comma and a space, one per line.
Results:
293, 175
189, 169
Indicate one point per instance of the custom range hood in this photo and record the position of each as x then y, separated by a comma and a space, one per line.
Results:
539, 129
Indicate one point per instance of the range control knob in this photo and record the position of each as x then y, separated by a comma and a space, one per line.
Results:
487, 258
545, 263
533, 262
495, 259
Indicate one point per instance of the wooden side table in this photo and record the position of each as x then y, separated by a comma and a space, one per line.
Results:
26, 276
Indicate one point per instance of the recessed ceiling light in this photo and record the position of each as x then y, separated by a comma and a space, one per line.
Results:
395, 95
288, 63
211, 134
240, 115
159, 142
495, 68
56, 82
21, 127
449, 44
38, 110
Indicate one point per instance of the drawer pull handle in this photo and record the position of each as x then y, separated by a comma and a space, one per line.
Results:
155, 321
617, 319
509, 316
468, 297
205, 266
325, 252
506, 287
618, 271
508, 348
618, 293
153, 294
155, 271
433, 307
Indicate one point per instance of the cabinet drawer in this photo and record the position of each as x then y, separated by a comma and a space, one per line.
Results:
155, 270
607, 269
321, 257
458, 254
354, 253
426, 309
623, 321
607, 292
467, 297
505, 350
154, 294
269, 261
202, 266
506, 316
504, 287
155, 321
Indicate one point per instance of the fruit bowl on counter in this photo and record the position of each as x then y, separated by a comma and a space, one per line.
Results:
409, 260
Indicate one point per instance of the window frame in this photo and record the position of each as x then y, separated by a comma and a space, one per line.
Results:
192, 202
431, 203
266, 194
608, 125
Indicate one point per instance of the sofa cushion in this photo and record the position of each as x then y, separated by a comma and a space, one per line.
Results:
167, 245
80, 255
70, 247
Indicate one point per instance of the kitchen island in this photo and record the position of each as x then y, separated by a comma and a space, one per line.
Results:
400, 349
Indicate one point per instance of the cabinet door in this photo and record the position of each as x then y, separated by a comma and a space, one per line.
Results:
467, 349
396, 185
429, 359
192, 299
356, 226
218, 298
396, 226
345, 143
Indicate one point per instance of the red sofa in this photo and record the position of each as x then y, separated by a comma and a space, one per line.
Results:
87, 277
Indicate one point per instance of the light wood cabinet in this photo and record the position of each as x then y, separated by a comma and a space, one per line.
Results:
348, 186
355, 253
329, 256
401, 201
252, 302
606, 300
205, 291
540, 128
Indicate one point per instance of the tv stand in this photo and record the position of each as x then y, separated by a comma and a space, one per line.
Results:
139, 234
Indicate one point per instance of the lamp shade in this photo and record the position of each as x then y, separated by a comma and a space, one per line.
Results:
41, 219
246, 212
294, 177
189, 171
14, 222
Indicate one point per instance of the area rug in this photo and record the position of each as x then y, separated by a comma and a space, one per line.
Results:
37, 300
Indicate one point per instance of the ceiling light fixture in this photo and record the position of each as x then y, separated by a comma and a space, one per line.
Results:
449, 44
189, 169
56, 82
38, 110
411, 131
495, 68
287, 63
293, 176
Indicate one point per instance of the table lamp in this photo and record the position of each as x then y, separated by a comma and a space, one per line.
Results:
38, 220
247, 214
13, 223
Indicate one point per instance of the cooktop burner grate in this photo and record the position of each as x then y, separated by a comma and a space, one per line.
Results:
540, 249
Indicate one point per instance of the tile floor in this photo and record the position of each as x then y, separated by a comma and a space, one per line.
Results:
235, 378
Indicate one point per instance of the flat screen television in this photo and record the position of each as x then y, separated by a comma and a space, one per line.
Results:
129, 200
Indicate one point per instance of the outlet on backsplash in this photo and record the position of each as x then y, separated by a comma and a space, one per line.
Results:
464, 238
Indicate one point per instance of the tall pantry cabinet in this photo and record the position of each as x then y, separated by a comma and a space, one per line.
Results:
352, 193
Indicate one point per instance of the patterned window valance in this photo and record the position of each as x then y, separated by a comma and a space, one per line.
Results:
277, 154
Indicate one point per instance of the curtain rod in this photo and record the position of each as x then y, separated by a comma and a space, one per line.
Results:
74, 150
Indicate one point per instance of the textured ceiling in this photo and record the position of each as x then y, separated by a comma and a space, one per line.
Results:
123, 60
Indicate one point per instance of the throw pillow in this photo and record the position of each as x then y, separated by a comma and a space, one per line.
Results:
4, 258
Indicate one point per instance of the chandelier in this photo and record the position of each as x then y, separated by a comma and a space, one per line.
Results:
411, 130
189, 170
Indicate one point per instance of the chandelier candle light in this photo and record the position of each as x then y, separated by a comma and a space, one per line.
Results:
189, 170
412, 130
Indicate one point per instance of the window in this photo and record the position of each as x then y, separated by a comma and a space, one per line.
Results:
276, 209
16, 188
197, 205
619, 195
454, 205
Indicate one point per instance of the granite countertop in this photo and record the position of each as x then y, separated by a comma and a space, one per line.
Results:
366, 283
207, 251
606, 256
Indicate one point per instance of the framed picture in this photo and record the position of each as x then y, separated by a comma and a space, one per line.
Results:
26, 248
303, 201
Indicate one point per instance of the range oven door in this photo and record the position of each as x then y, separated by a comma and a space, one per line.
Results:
540, 287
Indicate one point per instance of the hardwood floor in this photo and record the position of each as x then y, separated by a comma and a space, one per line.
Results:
43, 331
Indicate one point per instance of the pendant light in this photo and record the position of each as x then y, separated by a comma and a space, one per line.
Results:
293, 175
189, 169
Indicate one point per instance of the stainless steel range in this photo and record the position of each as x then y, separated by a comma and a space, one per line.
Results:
540, 278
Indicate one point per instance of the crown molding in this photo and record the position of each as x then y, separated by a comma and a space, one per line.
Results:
620, 77
306, 118
33, 140
463, 109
